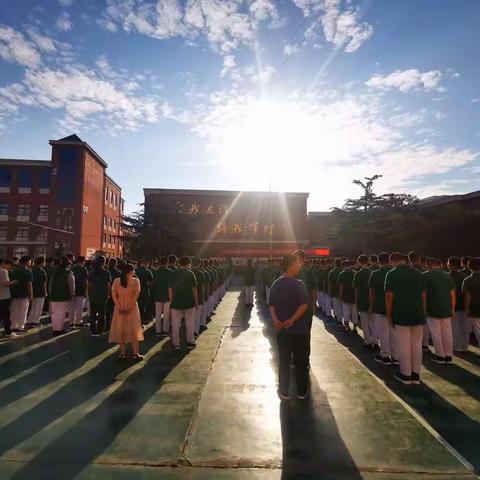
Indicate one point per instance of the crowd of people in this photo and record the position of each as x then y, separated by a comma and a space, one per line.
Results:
113, 296
398, 303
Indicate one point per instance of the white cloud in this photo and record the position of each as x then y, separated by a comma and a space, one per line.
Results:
14, 47
475, 100
341, 26
64, 22
263, 10
408, 81
229, 67
289, 49
44, 43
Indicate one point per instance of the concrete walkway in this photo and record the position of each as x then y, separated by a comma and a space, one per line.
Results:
70, 409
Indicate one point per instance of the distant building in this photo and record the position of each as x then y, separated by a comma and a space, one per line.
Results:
228, 223
66, 204
470, 201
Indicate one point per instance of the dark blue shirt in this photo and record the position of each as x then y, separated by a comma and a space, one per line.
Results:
287, 295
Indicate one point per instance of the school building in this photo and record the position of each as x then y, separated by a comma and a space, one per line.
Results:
65, 204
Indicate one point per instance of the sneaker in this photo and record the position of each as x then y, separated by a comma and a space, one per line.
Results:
282, 396
448, 359
425, 348
376, 347
176, 348
191, 346
303, 397
10, 335
159, 334
383, 360
437, 358
405, 379
415, 379
395, 361
95, 335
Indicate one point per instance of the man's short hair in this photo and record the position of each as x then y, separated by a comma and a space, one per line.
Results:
288, 261
24, 260
184, 261
454, 262
172, 259
363, 259
432, 262
397, 257
474, 263
196, 261
112, 262
413, 257
383, 258
163, 260
373, 258
80, 259
338, 262
39, 261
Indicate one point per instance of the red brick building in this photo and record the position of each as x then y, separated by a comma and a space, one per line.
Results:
68, 203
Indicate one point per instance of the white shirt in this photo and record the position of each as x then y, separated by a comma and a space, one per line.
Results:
4, 290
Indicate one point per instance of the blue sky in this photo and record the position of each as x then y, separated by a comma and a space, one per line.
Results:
296, 95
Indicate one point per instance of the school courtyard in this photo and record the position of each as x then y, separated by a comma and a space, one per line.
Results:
71, 410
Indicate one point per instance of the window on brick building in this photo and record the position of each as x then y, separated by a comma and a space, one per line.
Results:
22, 234
104, 238
105, 220
45, 178
111, 197
113, 240
5, 177
20, 252
115, 200
25, 178
4, 208
23, 210
43, 211
106, 194
42, 235
3, 234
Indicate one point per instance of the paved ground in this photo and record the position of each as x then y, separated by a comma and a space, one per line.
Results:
70, 409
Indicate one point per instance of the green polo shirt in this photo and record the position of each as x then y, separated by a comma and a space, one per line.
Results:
325, 273
23, 275
310, 282
99, 284
80, 273
377, 284
275, 273
201, 284
333, 281
59, 286
346, 279
38, 283
161, 279
406, 284
182, 282
472, 285
439, 285
360, 282
458, 278
249, 276
145, 276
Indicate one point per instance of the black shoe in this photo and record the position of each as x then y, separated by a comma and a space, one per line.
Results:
437, 358
425, 348
395, 361
302, 396
403, 378
203, 328
415, 379
383, 360
159, 334
191, 346
176, 348
448, 359
376, 347
282, 396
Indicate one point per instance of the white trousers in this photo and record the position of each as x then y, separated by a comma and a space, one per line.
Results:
18, 312
75, 310
203, 315
366, 321
162, 317
189, 316
442, 337
249, 294
57, 311
337, 308
328, 304
349, 311
36, 310
462, 327
476, 327
197, 316
386, 334
409, 340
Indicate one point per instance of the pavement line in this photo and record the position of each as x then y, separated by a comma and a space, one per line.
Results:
412, 411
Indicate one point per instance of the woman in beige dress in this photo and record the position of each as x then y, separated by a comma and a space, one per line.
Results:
126, 325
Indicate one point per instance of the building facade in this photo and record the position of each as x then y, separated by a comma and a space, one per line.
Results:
65, 204
227, 223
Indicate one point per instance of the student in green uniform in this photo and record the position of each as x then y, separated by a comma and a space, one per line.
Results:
405, 299
471, 289
249, 281
161, 279
48, 267
183, 295
172, 262
440, 310
39, 286
146, 279
62, 288
75, 309
466, 270
461, 326
326, 295
22, 293
346, 295
201, 282
333, 289
99, 284
383, 328
373, 263
5, 297
360, 283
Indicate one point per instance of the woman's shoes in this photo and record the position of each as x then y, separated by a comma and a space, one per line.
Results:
138, 357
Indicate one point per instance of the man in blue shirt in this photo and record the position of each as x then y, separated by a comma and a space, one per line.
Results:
289, 303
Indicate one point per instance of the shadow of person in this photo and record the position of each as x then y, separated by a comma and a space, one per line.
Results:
241, 318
